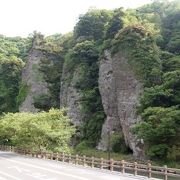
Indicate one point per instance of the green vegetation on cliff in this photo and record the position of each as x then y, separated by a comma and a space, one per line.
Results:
138, 45
149, 39
10, 77
23, 91
13, 51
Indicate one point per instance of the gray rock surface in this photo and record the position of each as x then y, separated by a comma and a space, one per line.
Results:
70, 97
119, 90
33, 78
109, 100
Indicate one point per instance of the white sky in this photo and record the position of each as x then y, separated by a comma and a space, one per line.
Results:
21, 17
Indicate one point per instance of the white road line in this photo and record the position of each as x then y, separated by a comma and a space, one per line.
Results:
38, 167
13, 177
20, 170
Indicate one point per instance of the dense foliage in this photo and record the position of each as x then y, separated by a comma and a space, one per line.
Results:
86, 53
41, 131
140, 48
159, 104
13, 51
148, 37
55, 48
10, 77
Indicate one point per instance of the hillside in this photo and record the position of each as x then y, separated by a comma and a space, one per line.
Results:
118, 73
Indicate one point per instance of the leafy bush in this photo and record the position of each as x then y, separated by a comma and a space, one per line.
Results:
174, 153
39, 131
42, 102
160, 130
118, 144
83, 145
10, 74
157, 151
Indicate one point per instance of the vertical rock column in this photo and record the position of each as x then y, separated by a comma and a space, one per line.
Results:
109, 99
119, 90
32, 77
70, 97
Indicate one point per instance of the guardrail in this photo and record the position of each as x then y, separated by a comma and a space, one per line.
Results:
121, 166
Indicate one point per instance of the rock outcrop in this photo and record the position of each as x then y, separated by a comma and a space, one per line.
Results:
119, 90
119, 86
70, 97
33, 78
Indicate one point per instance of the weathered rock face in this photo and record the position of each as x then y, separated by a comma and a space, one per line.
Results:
70, 97
119, 90
33, 78
109, 100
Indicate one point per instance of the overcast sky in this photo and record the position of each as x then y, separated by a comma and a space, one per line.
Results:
21, 17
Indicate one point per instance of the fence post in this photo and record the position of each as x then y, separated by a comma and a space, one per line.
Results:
111, 164
63, 157
51, 156
41, 155
101, 165
57, 158
123, 169
165, 173
44, 154
84, 160
69, 159
76, 160
30, 152
149, 170
135, 168
92, 162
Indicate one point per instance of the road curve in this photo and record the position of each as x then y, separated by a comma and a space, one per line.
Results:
17, 167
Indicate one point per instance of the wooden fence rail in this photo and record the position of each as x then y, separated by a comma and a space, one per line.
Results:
121, 166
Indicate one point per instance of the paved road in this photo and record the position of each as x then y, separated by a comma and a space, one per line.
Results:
16, 167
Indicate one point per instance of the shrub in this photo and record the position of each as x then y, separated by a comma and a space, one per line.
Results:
158, 151
39, 131
118, 143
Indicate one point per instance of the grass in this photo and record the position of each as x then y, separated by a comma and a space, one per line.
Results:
91, 152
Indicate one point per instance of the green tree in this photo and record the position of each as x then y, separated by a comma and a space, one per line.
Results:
161, 131
39, 131
91, 25
115, 23
10, 74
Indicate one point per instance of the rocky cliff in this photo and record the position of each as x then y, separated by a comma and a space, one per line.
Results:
70, 96
124, 69
130, 64
120, 91
33, 79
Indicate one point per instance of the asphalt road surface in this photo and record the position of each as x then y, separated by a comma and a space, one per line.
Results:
17, 167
